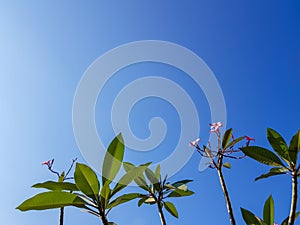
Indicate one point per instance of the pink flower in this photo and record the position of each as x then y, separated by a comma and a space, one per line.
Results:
275, 223
214, 127
48, 163
194, 143
249, 138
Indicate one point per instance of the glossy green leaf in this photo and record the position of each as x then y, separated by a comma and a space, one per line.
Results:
183, 187
128, 177
285, 222
278, 144
157, 172
180, 193
150, 200
235, 141
170, 207
152, 178
268, 214
139, 180
294, 147
56, 186
273, 172
181, 182
51, 200
262, 155
113, 159
142, 200
227, 165
251, 219
226, 138
122, 199
86, 180
105, 195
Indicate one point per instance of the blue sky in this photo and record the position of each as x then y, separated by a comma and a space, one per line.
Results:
252, 48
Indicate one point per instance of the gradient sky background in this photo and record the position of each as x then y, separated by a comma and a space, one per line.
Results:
252, 47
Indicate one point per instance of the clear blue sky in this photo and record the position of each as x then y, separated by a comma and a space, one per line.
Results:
252, 47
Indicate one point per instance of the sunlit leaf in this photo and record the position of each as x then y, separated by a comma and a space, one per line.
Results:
235, 141
227, 165
170, 207
269, 211
142, 200
51, 200
294, 147
152, 178
178, 183
56, 186
251, 219
139, 180
157, 172
150, 200
113, 159
226, 138
278, 144
180, 193
262, 155
128, 177
273, 172
122, 199
105, 195
86, 180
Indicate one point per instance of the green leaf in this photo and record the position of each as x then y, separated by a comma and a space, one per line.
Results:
251, 219
150, 200
142, 200
139, 180
235, 141
51, 200
278, 144
180, 193
285, 222
128, 177
269, 211
170, 207
122, 199
56, 186
152, 178
105, 195
157, 172
181, 182
227, 165
294, 147
226, 138
262, 155
86, 180
113, 159
273, 172
61, 177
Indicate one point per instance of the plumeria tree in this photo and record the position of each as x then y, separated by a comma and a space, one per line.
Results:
268, 215
87, 193
225, 150
283, 161
61, 177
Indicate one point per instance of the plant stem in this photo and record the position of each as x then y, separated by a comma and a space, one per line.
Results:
294, 199
225, 191
103, 216
61, 216
161, 214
